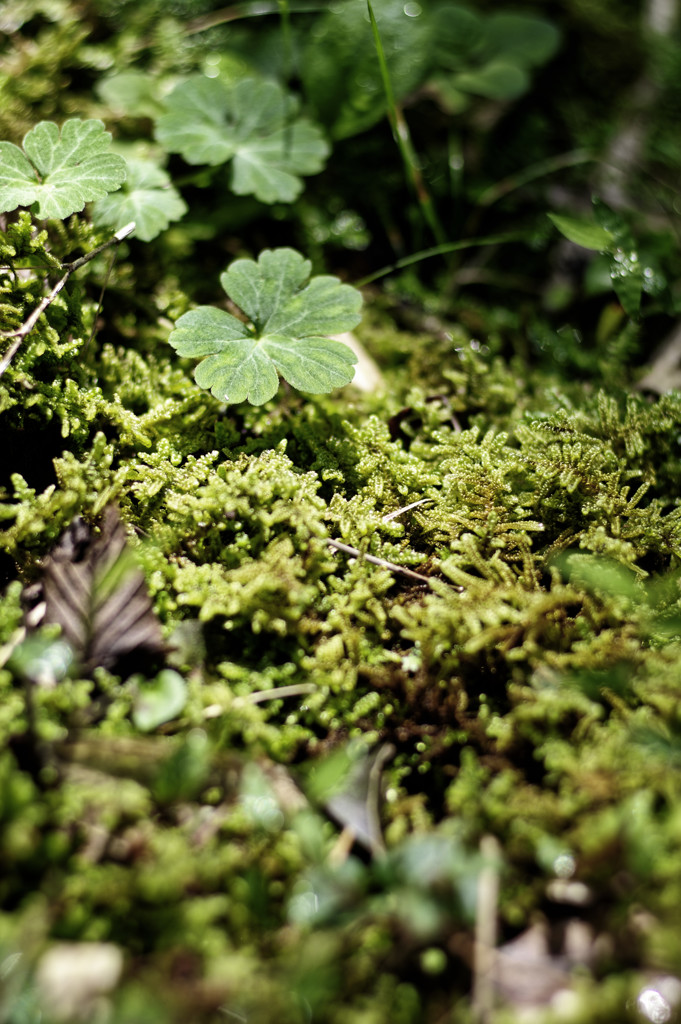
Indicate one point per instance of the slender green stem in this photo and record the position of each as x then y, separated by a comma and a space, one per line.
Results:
236, 12
438, 250
538, 170
402, 137
286, 42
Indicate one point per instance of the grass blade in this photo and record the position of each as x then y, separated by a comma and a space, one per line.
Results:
438, 250
286, 43
402, 137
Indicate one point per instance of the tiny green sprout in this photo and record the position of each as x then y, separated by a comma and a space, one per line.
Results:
290, 317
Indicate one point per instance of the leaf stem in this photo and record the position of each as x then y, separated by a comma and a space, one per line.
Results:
540, 169
402, 137
438, 250
69, 268
286, 42
259, 9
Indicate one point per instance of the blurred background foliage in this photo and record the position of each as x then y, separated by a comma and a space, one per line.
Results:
513, 112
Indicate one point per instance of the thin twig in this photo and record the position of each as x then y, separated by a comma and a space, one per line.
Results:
278, 692
486, 931
69, 268
405, 508
356, 553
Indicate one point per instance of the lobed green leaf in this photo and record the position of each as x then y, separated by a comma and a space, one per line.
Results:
59, 171
289, 316
147, 198
252, 124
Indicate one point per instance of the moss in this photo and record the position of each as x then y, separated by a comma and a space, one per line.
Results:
28, 95
528, 682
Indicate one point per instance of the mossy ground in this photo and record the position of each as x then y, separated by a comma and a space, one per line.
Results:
506, 719
527, 689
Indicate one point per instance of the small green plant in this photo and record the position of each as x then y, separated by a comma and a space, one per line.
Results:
440, 618
291, 315
609, 234
458, 52
290, 318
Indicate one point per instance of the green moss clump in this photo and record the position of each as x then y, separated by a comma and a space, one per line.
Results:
526, 678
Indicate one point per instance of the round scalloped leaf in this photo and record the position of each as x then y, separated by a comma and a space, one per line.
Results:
147, 198
59, 171
290, 317
252, 124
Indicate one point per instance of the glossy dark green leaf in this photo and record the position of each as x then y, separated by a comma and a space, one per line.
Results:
626, 274
586, 233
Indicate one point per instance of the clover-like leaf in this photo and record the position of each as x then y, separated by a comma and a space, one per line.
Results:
253, 124
58, 172
492, 55
147, 198
290, 318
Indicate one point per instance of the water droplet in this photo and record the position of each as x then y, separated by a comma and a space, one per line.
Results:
654, 1006
564, 865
